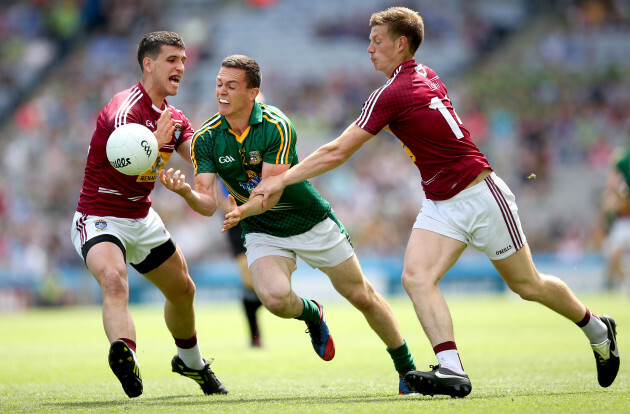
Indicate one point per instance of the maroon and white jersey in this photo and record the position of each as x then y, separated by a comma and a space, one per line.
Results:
107, 192
415, 105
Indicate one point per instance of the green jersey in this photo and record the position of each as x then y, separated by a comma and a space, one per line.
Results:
621, 161
238, 161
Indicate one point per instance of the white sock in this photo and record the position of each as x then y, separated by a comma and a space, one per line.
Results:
191, 357
450, 359
595, 330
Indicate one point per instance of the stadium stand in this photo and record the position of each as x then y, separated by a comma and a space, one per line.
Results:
541, 85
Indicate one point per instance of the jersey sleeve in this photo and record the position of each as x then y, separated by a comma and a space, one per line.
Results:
201, 154
381, 108
281, 139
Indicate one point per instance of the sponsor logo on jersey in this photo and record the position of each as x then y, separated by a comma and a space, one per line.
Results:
100, 225
178, 131
150, 124
224, 159
505, 249
254, 157
251, 183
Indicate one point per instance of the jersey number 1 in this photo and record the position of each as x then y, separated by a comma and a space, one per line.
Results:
436, 103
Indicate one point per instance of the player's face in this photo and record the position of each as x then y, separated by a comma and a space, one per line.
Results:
167, 70
382, 50
233, 96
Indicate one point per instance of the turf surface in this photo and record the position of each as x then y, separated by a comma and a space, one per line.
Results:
520, 356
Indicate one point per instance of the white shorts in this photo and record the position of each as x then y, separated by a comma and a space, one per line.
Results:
484, 216
137, 238
618, 237
325, 245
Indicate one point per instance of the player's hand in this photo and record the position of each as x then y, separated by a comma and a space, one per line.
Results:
165, 128
233, 217
175, 181
266, 187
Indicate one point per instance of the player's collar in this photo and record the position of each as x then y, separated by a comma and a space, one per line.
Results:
147, 99
256, 116
404, 65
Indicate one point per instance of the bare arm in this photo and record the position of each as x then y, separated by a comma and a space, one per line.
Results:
254, 205
203, 199
324, 159
184, 151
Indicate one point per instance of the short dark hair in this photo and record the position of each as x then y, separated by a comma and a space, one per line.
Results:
401, 21
249, 65
151, 44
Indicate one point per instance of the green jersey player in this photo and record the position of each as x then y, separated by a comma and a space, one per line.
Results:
243, 143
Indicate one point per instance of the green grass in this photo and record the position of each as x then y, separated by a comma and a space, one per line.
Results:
520, 356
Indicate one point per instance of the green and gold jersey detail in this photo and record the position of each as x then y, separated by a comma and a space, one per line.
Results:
238, 160
621, 161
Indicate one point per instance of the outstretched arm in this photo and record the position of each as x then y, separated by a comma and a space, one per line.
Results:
203, 199
254, 205
324, 159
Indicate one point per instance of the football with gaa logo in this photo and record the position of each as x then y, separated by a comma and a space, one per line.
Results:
132, 149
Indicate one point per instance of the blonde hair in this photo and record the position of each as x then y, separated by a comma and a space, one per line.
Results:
401, 21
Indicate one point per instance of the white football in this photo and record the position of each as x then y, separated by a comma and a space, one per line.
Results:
132, 149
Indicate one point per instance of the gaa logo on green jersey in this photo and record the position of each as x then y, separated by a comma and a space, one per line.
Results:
254, 157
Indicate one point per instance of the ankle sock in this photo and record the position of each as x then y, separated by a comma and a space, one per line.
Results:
595, 330
403, 360
448, 357
189, 352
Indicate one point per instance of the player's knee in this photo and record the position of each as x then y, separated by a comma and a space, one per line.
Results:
527, 291
275, 304
415, 281
362, 299
114, 283
185, 291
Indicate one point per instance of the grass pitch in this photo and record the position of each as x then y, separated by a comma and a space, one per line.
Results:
520, 356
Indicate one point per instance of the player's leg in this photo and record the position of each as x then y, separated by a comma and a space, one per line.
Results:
271, 279
428, 257
172, 279
107, 263
251, 302
520, 274
348, 279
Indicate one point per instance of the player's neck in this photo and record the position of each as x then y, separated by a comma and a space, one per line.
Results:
239, 122
156, 98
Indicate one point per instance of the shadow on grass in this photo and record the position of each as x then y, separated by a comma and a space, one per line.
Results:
224, 401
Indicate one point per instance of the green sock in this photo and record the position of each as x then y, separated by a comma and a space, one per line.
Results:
403, 361
310, 313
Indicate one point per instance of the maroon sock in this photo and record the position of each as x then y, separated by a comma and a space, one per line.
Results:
186, 343
585, 320
130, 343
444, 346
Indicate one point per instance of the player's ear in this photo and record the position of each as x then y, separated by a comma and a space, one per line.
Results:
402, 43
147, 64
253, 93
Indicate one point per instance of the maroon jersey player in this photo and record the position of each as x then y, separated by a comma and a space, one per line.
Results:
466, 204
114, 223
107, 192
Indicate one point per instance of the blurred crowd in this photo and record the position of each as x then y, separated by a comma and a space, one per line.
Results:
563, 103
